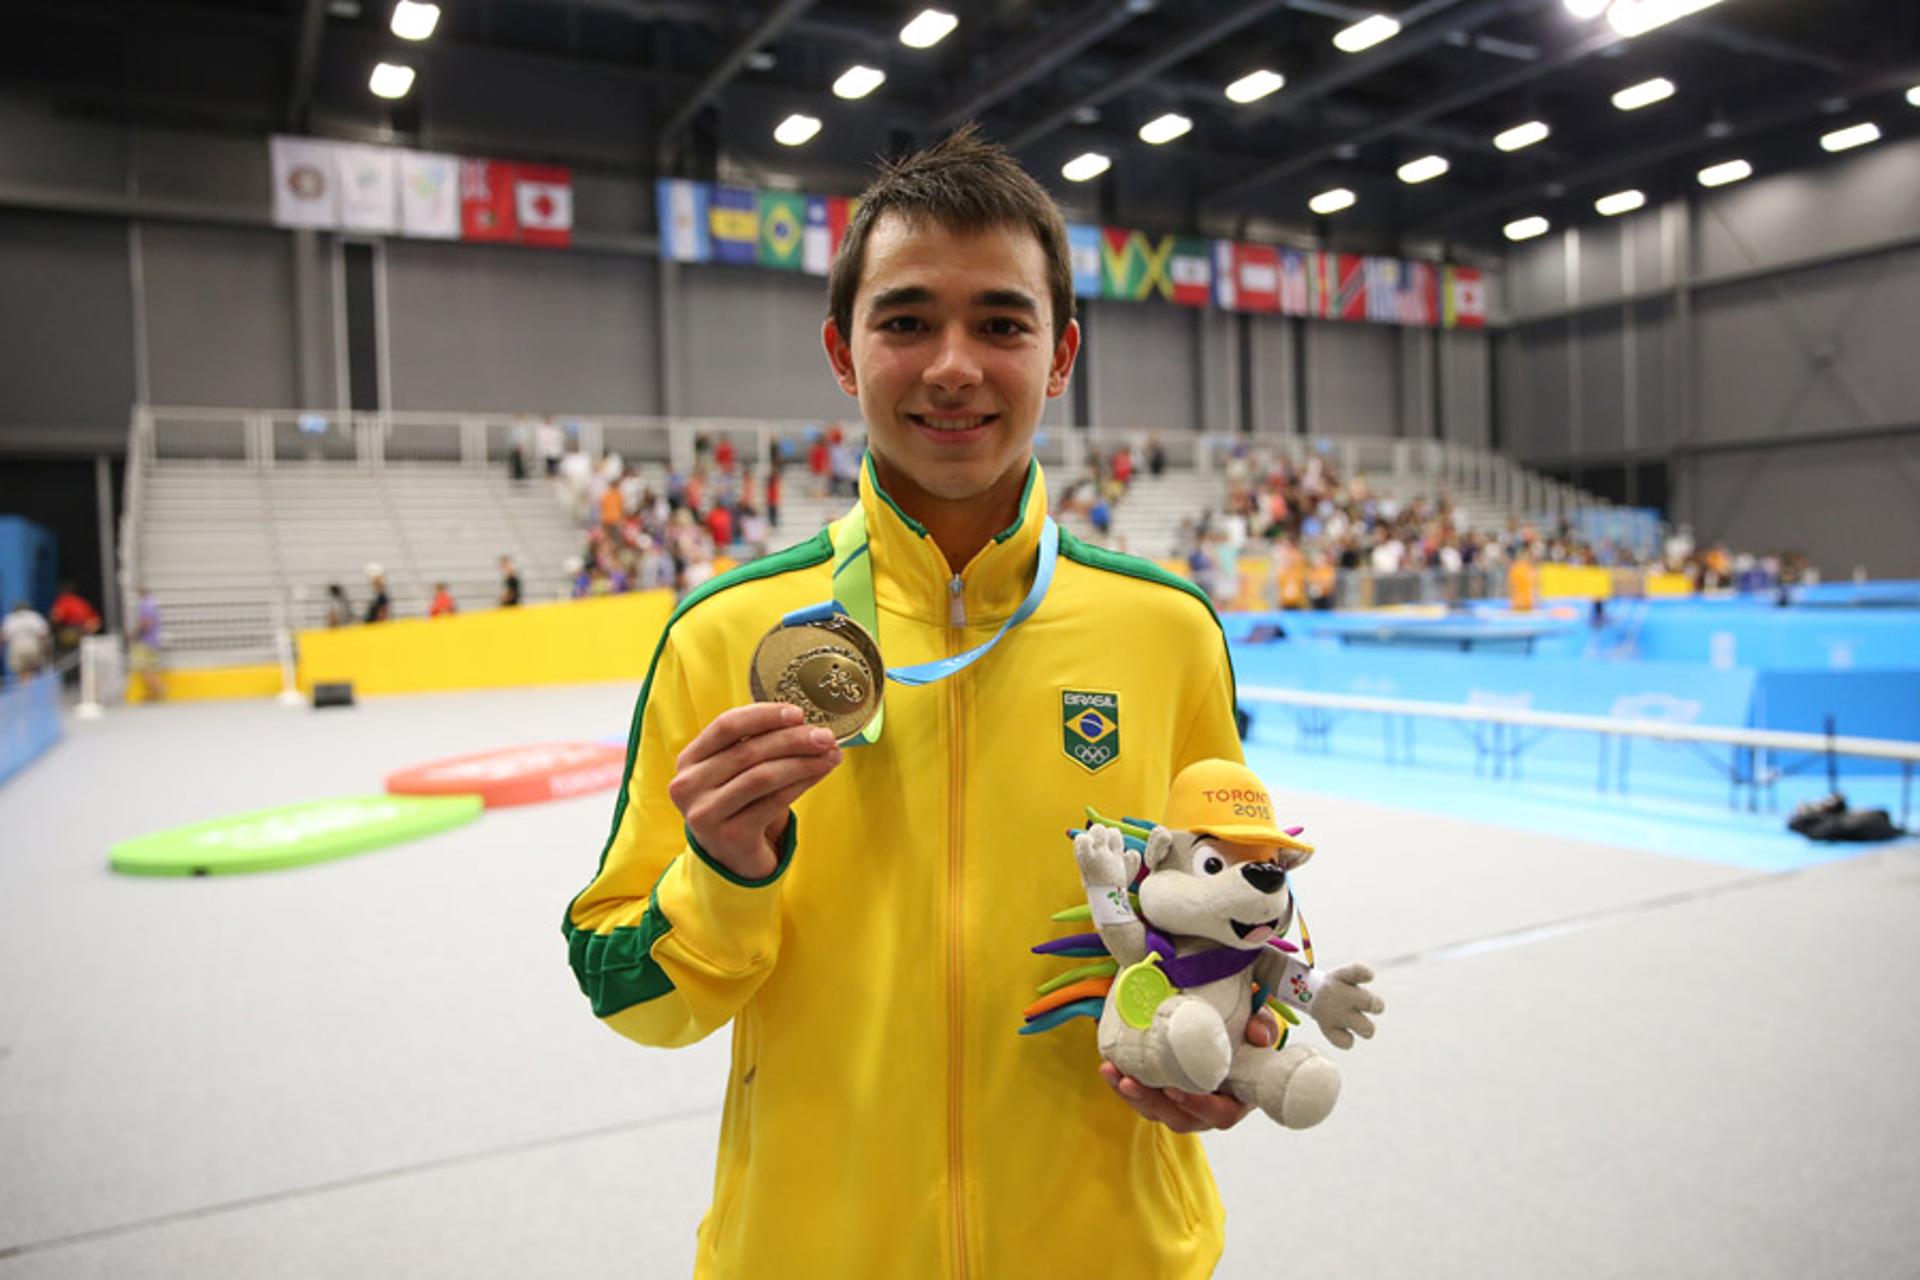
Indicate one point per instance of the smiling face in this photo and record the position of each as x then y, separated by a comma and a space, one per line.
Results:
1200, 886
952, 357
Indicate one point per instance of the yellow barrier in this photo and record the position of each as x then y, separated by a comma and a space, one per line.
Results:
1669, 584
1575, 582
574, 641
209, 683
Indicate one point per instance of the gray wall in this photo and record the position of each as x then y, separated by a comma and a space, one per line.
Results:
66, 330
1758, 340
520, 330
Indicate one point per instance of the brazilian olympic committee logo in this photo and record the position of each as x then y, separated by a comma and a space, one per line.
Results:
1090, 728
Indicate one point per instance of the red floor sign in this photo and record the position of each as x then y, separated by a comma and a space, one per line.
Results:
517, 775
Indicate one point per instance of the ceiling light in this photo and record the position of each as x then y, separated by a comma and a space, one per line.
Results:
858, 82
1644, 94
1088, 165
1587, 8
1526, 228
762, 60
1258, 84
1522, 135
1854, 135
414, 21
1913, 96
1619, 202
795, 129
1366, 33
1164, 128
1425, 169
391, 81
1332, 201
928, 29
1635, 17
1719, 175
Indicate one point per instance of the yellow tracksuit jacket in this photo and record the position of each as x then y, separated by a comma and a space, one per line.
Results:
883, 1118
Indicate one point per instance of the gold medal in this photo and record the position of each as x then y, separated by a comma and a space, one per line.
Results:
830, 669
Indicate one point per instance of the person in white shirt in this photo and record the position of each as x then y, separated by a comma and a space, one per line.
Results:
28, 638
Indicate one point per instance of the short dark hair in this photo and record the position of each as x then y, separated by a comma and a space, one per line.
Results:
963, 183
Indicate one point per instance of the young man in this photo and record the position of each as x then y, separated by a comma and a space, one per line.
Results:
863, 915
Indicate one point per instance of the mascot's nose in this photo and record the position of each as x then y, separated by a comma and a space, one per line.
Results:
1263, 876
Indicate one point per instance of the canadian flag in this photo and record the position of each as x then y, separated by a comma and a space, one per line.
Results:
543, 204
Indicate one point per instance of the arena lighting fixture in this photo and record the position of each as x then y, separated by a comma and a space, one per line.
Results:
858, 82
413, 21
1086, 166
390, 80
1366, 33
1854, 135
1584, 9
1164, 128
1521, 135
1719, 175
1331, 201
1256, 85
1618, 203
1636, 17
1425, 169
795, 129
1913, 96
1644, 94
1526, 228
929, 28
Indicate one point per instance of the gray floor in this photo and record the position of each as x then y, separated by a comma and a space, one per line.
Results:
1596, 1061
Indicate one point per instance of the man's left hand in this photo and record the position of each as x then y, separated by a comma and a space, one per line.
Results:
1185, 1112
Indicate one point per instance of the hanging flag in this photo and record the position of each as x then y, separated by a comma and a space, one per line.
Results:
304, 194
1226, 277
827, 218
734, 220
429, 195
1190, 271
1350, 289
1419, 294
369, 196
486, 201
680, 207
1383, 288
1257, 267
1133, 265
783, 224
1083, 248
1464, 296
543, 203
1296, 282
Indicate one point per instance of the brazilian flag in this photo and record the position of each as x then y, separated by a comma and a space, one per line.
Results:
783, 227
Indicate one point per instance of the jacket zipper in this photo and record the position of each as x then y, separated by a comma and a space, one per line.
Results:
956, 639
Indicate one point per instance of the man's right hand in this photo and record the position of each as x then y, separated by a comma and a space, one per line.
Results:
737, 780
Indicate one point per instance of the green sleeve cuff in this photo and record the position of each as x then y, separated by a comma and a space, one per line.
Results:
787, 843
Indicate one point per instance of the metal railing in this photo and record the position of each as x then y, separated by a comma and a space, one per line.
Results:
1753, 765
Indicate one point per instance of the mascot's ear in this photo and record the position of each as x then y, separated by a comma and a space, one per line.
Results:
1159, 846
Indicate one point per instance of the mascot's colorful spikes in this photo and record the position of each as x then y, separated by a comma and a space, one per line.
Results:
1088, 1008
1085, 989
1136, 843
1098, 969
1134, 827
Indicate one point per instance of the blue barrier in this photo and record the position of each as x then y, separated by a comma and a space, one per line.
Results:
1728, 633
29, 722
1863, 704
29, 563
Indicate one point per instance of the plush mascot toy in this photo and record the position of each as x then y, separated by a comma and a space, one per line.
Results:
1199, 945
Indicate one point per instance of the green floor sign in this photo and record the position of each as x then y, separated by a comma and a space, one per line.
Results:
291, 835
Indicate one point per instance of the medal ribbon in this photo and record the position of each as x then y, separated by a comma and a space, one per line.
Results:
853, 596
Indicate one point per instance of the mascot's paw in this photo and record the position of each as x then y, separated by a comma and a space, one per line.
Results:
1199, 1043
1298, 1087
1104, 859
